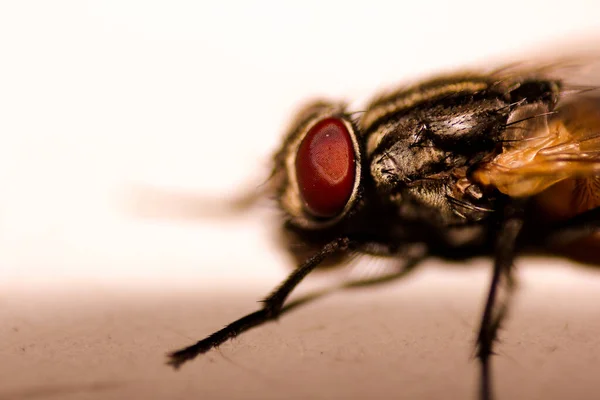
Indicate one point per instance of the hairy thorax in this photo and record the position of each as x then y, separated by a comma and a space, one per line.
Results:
425, 142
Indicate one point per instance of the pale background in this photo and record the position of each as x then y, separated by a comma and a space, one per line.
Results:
98, 280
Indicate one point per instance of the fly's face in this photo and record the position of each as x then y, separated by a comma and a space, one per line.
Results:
318, 172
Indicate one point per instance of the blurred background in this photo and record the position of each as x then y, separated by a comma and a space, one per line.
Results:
117, 118
192, 97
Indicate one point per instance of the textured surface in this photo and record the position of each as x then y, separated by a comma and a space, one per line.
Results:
406, 339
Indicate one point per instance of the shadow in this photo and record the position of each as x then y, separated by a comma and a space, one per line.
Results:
59, 391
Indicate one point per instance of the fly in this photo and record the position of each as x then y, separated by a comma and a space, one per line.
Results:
468, 164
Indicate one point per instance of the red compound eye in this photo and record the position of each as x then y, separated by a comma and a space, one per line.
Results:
325, 168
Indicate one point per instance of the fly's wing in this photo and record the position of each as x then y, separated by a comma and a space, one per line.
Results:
542, 147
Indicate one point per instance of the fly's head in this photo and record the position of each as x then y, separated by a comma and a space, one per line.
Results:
324, 187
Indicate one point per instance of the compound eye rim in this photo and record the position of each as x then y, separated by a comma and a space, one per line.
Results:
325, 167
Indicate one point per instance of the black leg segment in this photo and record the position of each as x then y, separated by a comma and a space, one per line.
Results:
499, 293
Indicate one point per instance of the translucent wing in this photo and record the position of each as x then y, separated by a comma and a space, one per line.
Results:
543, 147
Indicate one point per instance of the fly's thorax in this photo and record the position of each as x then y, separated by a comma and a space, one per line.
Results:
419, 155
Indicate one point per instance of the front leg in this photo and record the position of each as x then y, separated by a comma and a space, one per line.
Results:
270, 310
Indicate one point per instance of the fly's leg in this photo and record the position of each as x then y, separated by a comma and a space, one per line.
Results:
573, 229
499, 293
410, 260
271, 309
